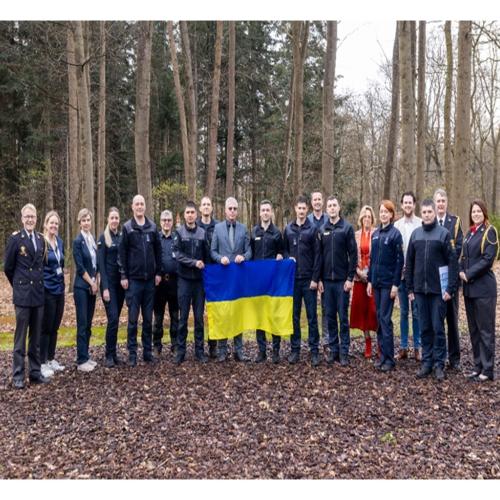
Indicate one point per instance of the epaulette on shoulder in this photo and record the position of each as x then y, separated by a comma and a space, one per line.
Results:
15, 232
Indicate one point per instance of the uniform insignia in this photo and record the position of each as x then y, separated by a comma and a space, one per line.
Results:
15, 232
23, 251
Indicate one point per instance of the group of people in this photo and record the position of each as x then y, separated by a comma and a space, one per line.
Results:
423, 261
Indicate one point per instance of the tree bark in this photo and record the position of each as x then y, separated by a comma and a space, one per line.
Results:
422, 112
143, 96
448, 155
101, 135
231, 110
214, 113
328, 109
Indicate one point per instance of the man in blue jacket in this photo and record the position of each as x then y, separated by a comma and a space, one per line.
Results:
140, 269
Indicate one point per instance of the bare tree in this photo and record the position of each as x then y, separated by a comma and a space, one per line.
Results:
422, 111
231, 110
101, 134
448, 156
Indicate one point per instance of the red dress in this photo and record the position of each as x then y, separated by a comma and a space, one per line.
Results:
363, 312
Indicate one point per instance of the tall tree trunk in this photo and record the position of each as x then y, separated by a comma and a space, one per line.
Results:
182, 112
448, 155
192, 114
214, 113
393, 126
408, 163
328, 109
422, 111
49, 187
462, 122
231, 110
143, 96
101, 135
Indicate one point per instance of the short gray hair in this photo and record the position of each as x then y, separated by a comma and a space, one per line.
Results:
166, 214
440, 192
28, 206
231, 199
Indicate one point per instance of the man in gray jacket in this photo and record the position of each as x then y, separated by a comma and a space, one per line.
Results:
231, 243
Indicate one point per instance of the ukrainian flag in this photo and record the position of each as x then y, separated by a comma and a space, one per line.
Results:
249, 296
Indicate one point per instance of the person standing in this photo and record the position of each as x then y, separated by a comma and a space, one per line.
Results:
231, 243
338, 262
430, 248
384, 277
363, 311
190, 250
166, 291
406, 225
453, 225
140, 269
112, 293
84, 289
266, 242
23, 267
480, 250
53, 281
302, 245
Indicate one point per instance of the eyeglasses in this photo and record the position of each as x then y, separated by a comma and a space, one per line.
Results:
166, 220
29, 216
232, 208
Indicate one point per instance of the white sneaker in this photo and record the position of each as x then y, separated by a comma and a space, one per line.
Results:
92, 362
46, 371
56, 366
85, 367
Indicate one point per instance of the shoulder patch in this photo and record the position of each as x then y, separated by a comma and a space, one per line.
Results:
15, 232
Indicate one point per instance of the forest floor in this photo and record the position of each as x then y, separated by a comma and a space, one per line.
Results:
249, 421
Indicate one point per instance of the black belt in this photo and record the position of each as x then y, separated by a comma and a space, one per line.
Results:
168, 277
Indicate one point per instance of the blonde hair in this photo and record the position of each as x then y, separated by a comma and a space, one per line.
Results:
107, 233
362, 214
83, 213
51, 213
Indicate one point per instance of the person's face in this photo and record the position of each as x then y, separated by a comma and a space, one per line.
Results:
139, 206
29, 219
265, 213
52, 226
113, 220
166, 223
428, 214
86, 223
441, 204
332, 208
206, 208
385, 215
408, 206
477, 215
317, 202
232, 211
189, 216
301, 210
366, 220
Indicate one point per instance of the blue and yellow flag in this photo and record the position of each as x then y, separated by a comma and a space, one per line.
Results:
249, 296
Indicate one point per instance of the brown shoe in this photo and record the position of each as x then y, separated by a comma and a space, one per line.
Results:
403, 354
418, 356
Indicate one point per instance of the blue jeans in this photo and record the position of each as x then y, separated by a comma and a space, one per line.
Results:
385, 331
140, 298
404, 305
301, 291
432, 311
85, 306
262, 343
337, 306
190, 292
113, 310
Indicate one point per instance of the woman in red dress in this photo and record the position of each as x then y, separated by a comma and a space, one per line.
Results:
363, 312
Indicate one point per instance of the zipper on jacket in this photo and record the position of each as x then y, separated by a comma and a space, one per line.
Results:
425, 265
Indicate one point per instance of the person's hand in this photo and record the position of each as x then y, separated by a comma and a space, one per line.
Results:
369, 290
224, 261
124, 284
321, 287
200, 264
394, 291
105, 295
411, 297
279, 257
94, 288
313, 285
463, 277
347, 286
239, 259
157, 280
446, 297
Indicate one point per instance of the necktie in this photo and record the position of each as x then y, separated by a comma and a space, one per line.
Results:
441, 222
231, 236
32, 238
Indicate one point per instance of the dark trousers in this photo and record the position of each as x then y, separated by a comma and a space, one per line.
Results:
27, 318
166, 293
113, 310
431, 313
262, 342
190, 292
140, 298
238, 345
453, 334
301, 291
337, 311
385, 331
85, 306
53, 310
481, 320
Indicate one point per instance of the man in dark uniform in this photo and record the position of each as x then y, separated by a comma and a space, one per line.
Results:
207, 222
166, 291
452, 223
24, 269
140, 269
266, 243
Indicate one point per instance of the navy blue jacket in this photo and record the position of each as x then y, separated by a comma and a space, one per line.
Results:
338, 251
139, 251
190, 245
83, 261
168, 263
266, 244
319, 223
107, 261
24, 269
386, 258
301, 243
452, 223
54, 282
209, 233
429, 249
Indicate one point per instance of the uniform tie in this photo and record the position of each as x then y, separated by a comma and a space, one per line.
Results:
32, 238
440, 222
231, 236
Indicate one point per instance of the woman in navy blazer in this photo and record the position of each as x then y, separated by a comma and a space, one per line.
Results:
85, 288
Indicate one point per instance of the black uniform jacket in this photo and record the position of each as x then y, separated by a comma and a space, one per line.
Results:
266, 244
